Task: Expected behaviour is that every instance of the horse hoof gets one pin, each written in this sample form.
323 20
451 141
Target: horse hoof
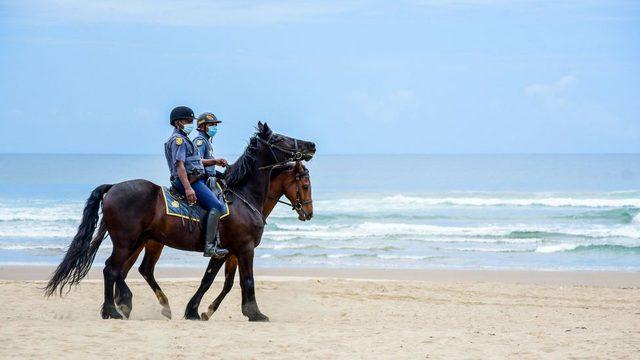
259 317
204 317
125 310
192 316
111 313
166 312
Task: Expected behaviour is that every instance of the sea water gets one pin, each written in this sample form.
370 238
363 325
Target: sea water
544 212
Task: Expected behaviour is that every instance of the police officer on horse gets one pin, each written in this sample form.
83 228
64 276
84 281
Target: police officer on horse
207 129
188 176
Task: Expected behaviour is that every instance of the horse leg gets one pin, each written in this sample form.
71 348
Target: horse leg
109 310
124 303
249 305
151 255
230 273
127 267
191 312
123 295
113 272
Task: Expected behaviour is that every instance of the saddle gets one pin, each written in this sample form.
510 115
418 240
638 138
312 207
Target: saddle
177 205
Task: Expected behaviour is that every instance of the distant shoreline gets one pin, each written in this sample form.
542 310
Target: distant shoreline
568 278
358 154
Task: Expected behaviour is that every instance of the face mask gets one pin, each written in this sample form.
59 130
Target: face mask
212 131
187 128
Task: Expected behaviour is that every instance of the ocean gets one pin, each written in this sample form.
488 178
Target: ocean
527 212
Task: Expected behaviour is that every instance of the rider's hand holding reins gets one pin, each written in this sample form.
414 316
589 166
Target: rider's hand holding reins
219 162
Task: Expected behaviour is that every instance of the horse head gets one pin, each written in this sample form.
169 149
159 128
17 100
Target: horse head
297 189
284 148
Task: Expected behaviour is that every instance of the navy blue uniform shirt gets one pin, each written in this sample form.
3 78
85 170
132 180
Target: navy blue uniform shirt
205 149
180 148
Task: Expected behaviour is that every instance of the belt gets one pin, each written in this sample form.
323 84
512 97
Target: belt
193 177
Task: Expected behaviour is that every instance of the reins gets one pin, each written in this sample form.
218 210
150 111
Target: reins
295 155
248 203
297 206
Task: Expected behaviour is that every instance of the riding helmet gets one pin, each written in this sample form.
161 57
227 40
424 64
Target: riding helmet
179 113
208 118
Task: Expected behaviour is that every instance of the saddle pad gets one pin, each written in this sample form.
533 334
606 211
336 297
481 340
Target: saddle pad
177 205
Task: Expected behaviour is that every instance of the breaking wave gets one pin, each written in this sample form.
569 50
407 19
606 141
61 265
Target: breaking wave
411 230
283 232
584 248
409 203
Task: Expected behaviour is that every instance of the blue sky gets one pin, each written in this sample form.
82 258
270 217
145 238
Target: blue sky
494 76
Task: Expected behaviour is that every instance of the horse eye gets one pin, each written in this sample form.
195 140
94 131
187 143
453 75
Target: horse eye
305 187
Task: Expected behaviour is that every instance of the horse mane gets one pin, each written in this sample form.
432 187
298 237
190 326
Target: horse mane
245 166
277 170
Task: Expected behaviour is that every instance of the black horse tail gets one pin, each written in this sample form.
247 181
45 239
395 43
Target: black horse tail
79 257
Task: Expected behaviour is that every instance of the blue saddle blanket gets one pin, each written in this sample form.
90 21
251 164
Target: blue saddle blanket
177 205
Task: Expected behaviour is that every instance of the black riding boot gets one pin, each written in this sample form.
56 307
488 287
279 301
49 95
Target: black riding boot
212 240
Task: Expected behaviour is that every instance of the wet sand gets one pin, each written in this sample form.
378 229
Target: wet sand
328 313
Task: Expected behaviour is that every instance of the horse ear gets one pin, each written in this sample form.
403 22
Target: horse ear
267 129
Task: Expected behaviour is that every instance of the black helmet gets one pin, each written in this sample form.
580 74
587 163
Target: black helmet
207 118
179 113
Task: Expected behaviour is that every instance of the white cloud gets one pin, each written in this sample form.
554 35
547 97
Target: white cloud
388 108
552 93
555 88
198 13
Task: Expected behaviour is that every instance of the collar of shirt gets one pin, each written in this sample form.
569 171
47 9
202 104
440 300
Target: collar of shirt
180 132
204 133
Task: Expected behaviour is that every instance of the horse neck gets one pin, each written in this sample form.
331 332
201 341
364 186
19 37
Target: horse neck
255 187
275 193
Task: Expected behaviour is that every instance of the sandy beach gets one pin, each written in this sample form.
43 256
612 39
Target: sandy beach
336 313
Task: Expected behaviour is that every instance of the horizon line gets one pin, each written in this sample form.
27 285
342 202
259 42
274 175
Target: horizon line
343 154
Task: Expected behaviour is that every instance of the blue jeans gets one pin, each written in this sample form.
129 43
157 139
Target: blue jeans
206 198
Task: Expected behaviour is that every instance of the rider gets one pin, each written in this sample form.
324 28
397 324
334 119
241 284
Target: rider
207 129
187 172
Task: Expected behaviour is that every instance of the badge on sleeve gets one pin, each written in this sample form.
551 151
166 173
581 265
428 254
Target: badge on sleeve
199 142
179 141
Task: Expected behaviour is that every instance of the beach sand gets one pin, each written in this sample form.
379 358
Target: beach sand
321 313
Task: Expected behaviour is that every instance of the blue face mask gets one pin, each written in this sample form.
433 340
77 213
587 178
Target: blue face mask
187 128
212 131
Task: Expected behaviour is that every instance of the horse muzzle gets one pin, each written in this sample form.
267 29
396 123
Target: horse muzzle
303 216
308 150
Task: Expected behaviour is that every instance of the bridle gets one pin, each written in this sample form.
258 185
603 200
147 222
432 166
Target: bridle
295 154
299 203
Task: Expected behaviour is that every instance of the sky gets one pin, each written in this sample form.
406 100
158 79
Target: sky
356 77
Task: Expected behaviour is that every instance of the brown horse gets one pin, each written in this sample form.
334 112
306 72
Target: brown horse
134 214
303 185
291 180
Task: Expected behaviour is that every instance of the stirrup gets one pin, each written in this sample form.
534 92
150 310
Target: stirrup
215 251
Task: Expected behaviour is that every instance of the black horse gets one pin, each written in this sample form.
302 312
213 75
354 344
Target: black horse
134 214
